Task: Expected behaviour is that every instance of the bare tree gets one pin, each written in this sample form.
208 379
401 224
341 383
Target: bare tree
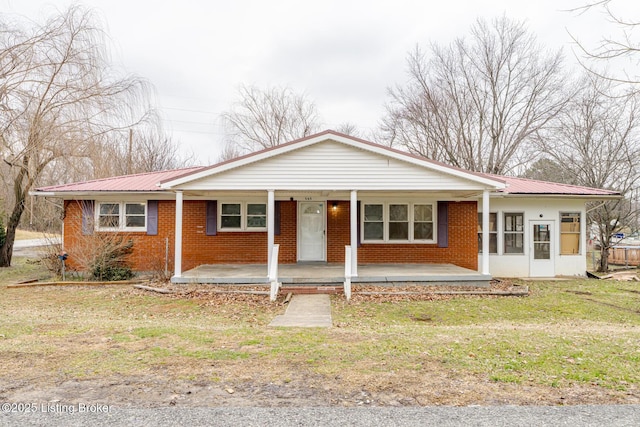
596 139
621 49
546 169
230 151
348 128
266 118
477 103
58 95
140 149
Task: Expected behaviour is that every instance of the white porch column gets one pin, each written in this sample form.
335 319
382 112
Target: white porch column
271 209
353 213
485 232
177 267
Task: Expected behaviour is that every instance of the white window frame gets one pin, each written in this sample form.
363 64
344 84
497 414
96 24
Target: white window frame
579 232
514 232
243 216
496 233
385 221
122 216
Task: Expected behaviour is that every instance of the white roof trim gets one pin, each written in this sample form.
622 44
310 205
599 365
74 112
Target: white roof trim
333 136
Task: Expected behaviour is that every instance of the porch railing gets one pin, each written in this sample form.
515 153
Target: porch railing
273 273
347 272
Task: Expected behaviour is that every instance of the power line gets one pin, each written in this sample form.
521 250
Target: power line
190 110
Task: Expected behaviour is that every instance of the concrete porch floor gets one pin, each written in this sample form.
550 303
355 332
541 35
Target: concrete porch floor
327 273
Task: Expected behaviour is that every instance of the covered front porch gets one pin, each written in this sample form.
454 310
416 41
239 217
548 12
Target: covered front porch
334 273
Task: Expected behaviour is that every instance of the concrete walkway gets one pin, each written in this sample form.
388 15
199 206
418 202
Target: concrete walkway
306 311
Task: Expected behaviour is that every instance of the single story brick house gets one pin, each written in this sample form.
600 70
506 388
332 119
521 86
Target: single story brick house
328 197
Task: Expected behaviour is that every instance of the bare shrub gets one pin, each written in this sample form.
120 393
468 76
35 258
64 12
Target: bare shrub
104 256
49 254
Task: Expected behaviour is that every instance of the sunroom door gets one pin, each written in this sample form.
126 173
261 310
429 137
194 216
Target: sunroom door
311 231
542 249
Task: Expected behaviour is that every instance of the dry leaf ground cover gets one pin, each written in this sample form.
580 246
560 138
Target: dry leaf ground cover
568 342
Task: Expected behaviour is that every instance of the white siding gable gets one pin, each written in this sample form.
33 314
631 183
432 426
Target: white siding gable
331 166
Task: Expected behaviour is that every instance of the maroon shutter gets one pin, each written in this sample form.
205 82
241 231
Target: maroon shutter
276 218
152 218
359 225
443 224
88 209
212 218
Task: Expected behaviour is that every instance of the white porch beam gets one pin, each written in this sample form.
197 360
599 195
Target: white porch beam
177 263
485 232
271 209
353 214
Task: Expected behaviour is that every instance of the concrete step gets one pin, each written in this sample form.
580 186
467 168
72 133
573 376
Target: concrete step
311 288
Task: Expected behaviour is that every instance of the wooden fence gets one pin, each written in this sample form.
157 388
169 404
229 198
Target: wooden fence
624 255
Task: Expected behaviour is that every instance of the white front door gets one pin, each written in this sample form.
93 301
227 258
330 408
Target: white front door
311 235
542 249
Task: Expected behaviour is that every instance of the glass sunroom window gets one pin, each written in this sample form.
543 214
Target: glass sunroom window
513 233
570 233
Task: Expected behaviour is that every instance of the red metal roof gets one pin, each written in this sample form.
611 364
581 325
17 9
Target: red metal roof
141 182
146 182
531 186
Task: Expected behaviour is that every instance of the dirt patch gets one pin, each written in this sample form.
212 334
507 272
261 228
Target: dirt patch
386 389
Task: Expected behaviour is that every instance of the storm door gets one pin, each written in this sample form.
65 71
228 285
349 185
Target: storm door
311 231
541 254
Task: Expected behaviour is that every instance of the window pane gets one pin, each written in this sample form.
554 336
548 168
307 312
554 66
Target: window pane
398 213
373 231
109 221
230 221
513 243
570 233
256 221
135 221
493 243
513 222
541 233
230 209
570 243
493 222
398 231
422 213
134 208
256 209
109 209
423 231
541 251
373 212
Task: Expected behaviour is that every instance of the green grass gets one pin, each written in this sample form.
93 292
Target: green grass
22 269
578 332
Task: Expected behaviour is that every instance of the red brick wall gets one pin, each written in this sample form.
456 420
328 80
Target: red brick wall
338 233
251 247
148 251
462 250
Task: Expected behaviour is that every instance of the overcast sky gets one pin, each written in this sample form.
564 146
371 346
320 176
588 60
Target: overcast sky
342 54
